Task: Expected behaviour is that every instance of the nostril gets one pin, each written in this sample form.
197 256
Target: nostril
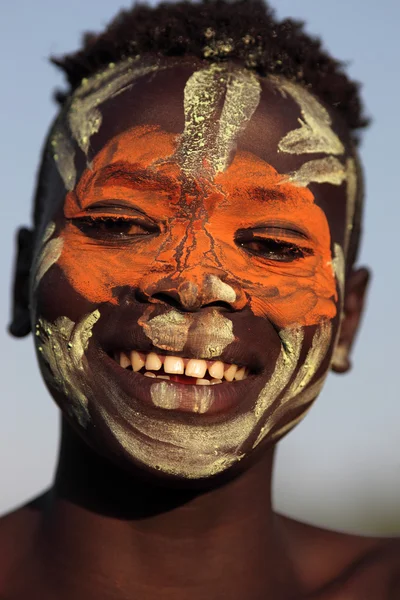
168 298
174 301
219 304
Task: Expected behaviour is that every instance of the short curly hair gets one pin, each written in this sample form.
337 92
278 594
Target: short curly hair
218 30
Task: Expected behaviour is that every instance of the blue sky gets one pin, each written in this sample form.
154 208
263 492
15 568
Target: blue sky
341 466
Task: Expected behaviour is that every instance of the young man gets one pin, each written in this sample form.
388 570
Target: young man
189 280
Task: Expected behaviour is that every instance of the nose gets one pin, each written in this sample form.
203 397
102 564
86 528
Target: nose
190 292
196 279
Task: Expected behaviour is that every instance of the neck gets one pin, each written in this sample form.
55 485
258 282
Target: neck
106 532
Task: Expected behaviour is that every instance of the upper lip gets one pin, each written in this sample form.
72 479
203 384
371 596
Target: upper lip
116 336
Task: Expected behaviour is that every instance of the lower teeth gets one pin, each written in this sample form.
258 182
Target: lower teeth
195 381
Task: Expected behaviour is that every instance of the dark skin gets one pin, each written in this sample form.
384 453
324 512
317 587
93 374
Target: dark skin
111 528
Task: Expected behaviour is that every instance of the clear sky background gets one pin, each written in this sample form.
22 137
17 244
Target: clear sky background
341 466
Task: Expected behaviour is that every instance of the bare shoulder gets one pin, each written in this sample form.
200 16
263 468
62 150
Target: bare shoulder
333 565
17 533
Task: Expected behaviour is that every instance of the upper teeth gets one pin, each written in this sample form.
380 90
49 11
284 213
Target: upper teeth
192 367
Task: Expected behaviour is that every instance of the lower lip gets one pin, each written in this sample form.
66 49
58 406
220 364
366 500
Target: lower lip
199 400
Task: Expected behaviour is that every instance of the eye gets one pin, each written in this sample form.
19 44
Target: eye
114 228
272 248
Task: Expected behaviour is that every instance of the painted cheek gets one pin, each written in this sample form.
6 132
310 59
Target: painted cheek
95 271
302 292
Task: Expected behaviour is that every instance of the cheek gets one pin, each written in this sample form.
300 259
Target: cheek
94 271
300 296
298 293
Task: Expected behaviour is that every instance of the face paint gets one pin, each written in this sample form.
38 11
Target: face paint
351 201
169 396
297 294
315 356
339 268
170 331
239 90
62 345
64 154
303 402
180 450
298 393
315 133
49 254
212 245
84 117
284 369
220 289
323 170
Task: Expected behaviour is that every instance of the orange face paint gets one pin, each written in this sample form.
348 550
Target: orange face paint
186 229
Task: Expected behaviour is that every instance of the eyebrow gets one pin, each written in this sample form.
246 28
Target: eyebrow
267 194
134 176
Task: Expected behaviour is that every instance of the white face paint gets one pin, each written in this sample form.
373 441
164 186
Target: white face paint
323 170
300 391
195 450
315 133
62 347
49 253
211 333
84 118
211 133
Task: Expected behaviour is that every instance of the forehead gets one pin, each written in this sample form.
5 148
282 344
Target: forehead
215 111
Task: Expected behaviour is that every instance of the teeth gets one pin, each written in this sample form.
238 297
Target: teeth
196 368
137 361
203 382
124 360
240 374
230 372
174 364
153 363
193 367
217 369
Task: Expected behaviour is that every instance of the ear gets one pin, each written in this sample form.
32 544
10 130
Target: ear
353 307
20 325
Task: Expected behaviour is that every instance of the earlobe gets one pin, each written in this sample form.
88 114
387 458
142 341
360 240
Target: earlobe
353 307
20 325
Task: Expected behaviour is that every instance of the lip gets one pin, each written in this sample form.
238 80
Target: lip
224 399
256 346
131 337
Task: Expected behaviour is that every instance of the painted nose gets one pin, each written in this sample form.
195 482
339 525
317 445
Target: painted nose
190 294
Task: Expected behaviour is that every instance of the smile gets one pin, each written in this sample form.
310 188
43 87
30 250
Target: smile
190 371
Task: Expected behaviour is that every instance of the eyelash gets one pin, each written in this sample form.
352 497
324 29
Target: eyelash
274 249
113 228
116 228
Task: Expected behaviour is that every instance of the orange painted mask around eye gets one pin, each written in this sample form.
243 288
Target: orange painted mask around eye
265 237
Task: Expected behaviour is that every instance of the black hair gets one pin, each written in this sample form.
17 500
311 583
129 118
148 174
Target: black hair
218 30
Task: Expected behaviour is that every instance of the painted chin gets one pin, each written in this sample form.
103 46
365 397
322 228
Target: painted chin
184 441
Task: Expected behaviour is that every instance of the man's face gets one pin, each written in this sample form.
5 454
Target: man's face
188 289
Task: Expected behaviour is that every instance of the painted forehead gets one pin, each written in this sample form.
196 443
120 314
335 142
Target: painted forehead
214 111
